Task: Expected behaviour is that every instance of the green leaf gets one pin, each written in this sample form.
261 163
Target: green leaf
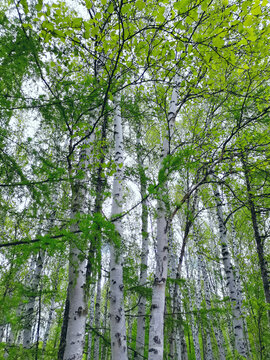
25 6
47 25
256 10
139 4
77 22
39 5
248 21
110 8
88 4
204 6
27 26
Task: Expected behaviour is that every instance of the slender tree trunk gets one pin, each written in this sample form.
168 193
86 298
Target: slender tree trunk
176 298
172 271
222 290
257 236
194 325
117 314
217 330
233 293
9 340
140 338
48 326
207 294
51 312
104 345
236 257
156 328
77 294
75 336
209 350
63 335
97 317
2 332
91 320
30 306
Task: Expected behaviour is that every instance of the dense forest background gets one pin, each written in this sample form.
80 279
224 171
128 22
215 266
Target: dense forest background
135 179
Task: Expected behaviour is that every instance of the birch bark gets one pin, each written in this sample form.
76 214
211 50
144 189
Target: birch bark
207 294
233 293
77 297
104 348
201 265
97 317
194 325
90 320
258 238
178 347
217 330
140 338
37 266
236 257
156 331
220 288
117 315
51 312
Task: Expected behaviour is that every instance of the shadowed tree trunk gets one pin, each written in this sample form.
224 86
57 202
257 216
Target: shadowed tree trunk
258 238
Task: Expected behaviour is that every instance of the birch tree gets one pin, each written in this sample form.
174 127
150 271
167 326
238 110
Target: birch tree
117 315
240 344
156 339
140 339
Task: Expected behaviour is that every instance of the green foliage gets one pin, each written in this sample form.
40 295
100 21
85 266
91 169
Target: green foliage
79 62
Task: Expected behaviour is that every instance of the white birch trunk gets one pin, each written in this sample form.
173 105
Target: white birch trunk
207 296
51 312
117 315
233 293
90 320
10 340
217 330
236 257
97 317
104 325
172 269
75 336
194 326
129 324
177 341
77 305
2 332
48 325
221 289
209 351
156 331
30 306
178 350
140 338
